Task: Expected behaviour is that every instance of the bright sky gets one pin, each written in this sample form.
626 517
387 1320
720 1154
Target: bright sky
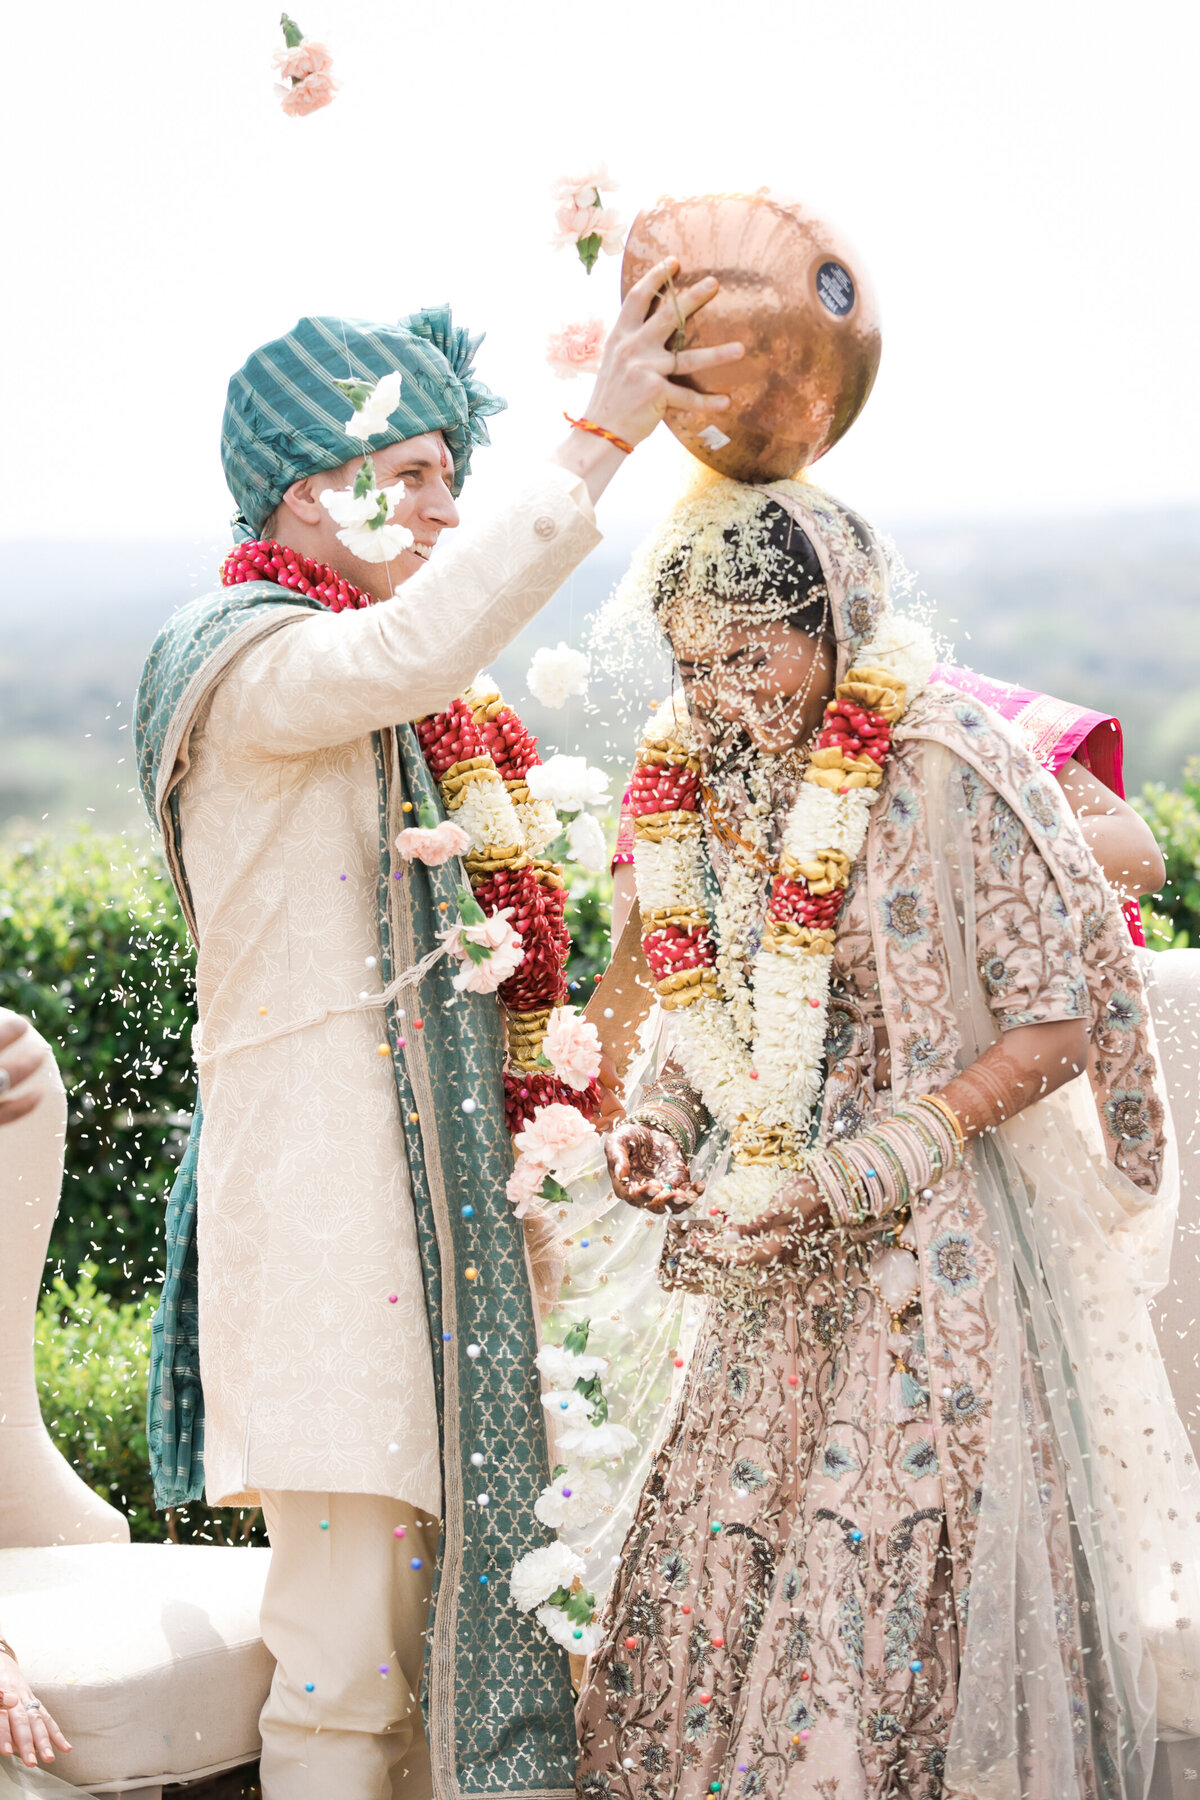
1020 180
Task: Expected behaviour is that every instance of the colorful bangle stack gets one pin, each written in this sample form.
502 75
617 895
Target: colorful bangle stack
886 1168
676 1108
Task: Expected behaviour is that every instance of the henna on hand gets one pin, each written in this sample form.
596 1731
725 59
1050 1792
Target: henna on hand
647 1169
1022 1066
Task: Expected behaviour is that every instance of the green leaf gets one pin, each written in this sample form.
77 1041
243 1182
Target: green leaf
292 34
576 1339
554 1191
557 1470
476 953
356 392
589 250
470 911
428 814
364 481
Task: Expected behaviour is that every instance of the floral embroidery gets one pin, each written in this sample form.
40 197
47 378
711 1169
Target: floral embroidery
1128 1115
838 1462
1039 804
1123 1012
921 1459
963 1405
883 1727
993 971
902 807
850 1629
952 1257
1006 835
695 1722
747 1474
675 1570
798 1717
903 914
737 1383
620 1678
921 1055
901 1629
972 789
970 717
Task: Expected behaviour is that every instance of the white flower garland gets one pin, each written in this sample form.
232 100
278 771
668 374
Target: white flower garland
753 1042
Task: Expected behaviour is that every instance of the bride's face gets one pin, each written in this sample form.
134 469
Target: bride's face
770 678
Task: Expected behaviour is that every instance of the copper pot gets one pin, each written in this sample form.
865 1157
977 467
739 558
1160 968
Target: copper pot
797 296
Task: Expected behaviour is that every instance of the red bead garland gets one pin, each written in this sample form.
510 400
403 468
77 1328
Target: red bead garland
267 560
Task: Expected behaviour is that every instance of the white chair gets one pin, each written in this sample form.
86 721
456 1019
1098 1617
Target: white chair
148 1655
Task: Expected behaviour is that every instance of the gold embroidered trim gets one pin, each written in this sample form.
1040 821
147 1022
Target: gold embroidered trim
493 857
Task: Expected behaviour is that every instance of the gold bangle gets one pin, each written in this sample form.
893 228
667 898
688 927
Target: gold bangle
951 1117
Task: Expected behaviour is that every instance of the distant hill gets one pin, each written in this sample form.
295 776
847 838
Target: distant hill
1105 611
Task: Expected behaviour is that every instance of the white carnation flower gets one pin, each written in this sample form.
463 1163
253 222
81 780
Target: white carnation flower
576 1498
539 823
567 1407
565 1367
586 844
554 675
580 1640
372 415
597 1443
568 783
351 513
904 647
540 1573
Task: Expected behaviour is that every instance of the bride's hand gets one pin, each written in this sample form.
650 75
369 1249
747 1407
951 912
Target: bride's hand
26 1728
647 1169
799 1211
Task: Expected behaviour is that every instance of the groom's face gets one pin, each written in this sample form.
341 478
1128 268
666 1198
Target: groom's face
424 466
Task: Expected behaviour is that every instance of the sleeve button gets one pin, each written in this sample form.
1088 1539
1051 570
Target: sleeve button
545 527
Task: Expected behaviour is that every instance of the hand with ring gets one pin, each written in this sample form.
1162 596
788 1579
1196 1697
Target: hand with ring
21 1055
26 1728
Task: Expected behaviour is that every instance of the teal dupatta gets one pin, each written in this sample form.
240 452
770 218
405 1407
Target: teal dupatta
497 1693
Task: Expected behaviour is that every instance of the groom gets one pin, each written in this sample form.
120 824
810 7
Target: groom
320 1348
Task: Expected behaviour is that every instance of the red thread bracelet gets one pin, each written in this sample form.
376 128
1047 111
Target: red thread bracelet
599 431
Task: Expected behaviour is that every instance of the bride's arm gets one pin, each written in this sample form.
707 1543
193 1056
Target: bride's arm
882 1169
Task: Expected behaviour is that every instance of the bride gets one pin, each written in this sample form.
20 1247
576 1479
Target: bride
924 1521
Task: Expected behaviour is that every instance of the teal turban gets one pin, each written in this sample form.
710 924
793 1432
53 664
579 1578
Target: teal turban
285 417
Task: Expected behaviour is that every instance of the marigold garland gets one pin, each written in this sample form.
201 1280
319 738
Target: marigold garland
759 1075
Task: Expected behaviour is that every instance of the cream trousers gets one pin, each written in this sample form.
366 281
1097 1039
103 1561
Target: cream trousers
344 1614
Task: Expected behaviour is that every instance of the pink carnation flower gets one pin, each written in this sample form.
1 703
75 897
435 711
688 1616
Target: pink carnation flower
309 95
576 348
552 1135
523 1184
433 845
498 936
573 1047
306 58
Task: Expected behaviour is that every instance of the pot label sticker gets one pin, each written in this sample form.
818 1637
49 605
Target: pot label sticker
835 288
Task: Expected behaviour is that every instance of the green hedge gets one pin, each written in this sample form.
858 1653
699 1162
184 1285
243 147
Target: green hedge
1172 918
92 1358
94 950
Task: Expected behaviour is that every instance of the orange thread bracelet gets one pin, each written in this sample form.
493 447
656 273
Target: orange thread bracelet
599 431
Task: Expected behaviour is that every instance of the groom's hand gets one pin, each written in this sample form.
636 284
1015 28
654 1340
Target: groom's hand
637 382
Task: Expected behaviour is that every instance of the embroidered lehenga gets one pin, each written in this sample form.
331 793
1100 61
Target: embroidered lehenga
942 1541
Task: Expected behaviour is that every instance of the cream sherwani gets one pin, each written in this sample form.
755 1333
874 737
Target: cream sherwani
314 1343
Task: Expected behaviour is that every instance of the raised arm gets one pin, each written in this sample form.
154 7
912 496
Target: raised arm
327 678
